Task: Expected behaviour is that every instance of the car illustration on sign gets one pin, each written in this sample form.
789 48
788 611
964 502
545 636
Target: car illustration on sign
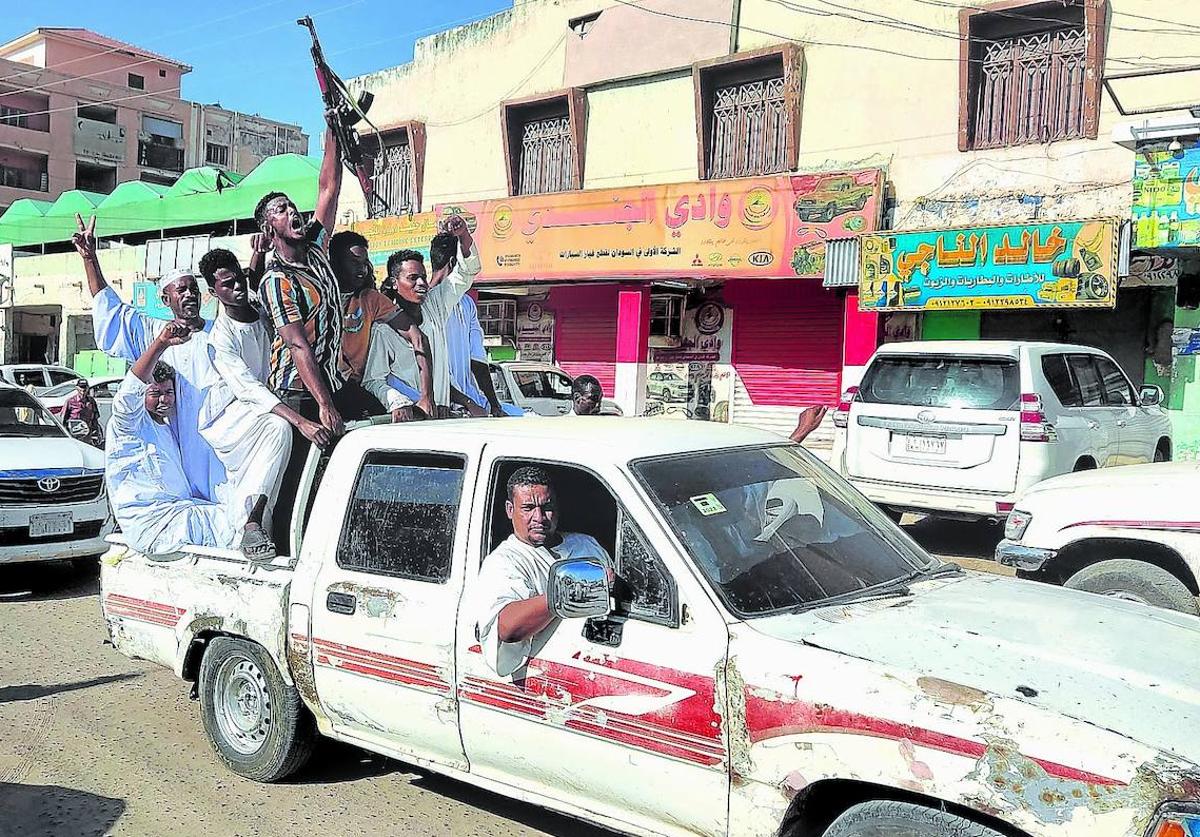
832 197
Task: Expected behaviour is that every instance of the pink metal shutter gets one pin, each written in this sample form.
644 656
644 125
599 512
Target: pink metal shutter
585 331
787 341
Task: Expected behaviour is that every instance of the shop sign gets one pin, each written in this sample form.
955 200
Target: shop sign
1166 198
396 232
694 379
1063 264
769 227
535 332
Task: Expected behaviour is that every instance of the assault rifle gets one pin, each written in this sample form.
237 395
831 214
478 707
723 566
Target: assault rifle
344 112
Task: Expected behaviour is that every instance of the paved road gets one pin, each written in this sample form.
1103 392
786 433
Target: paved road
93 743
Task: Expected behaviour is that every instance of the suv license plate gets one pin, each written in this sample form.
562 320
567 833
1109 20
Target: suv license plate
925 444
45 525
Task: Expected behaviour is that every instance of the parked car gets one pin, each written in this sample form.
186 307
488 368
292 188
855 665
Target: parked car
962 428
833 196
667 386
40 375
765 623
103 389
53 503
1132 533
539 388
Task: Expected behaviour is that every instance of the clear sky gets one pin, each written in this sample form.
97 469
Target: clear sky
250 55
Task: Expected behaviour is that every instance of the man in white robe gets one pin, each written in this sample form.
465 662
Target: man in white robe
246 424
123 331
514 618
144 469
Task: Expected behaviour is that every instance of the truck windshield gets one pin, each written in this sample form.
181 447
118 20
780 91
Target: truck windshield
776 532
23 415
942 381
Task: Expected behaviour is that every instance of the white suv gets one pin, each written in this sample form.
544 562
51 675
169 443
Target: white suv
961 428
52 499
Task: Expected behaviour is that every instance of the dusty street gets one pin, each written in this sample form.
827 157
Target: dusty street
94 743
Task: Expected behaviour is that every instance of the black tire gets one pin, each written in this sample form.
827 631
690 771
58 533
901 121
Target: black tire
884 818
281 732
894 514
831 212
1134 580
1162 453
1085 464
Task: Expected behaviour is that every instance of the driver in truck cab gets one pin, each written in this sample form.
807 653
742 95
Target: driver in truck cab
514 614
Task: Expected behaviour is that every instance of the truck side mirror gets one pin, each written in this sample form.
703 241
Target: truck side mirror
578 589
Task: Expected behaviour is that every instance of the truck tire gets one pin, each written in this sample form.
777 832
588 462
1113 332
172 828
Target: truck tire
1138 581
885 818
256 722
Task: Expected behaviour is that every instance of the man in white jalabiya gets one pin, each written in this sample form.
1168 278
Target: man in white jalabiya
123 331
514 614
246 424
145 468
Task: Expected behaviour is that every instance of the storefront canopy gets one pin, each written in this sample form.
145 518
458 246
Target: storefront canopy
200 197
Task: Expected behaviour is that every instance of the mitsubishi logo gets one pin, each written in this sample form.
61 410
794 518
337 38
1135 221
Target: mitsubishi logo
926 416
49 484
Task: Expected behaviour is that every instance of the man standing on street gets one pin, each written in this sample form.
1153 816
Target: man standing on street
81 406
123 331
470 375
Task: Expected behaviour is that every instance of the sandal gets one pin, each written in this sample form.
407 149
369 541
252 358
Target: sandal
257 545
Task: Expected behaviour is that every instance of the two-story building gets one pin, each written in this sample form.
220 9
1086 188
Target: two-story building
654 183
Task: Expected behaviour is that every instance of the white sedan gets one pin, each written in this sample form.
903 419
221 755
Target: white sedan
1132 533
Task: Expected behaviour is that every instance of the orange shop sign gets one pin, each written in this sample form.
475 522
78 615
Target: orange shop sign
769 227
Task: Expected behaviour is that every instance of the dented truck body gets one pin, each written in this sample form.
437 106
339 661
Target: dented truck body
1045 710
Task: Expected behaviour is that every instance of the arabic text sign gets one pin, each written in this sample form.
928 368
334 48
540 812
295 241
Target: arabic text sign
1062 264
397 232
766 227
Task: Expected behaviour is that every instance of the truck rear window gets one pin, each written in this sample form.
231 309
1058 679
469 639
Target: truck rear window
942 381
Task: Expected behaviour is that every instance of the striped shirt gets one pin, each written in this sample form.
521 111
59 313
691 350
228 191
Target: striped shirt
303 293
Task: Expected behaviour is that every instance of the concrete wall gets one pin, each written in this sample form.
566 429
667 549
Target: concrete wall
97 63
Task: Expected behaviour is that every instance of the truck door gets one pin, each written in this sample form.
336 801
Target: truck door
614 716
382 633
1135 427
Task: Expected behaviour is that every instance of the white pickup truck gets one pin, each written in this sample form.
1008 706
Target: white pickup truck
772 656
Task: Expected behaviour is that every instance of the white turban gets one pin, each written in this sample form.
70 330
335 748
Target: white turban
170 276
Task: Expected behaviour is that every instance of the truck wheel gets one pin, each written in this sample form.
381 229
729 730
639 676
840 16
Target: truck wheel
1136 581
255 721
883 818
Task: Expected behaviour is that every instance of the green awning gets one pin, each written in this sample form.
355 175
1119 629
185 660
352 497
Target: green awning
201 197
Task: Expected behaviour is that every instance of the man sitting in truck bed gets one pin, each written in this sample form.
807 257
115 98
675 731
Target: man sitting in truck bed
515 617
144 468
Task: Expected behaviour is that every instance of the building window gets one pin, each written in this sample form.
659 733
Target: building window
748 110
160 144
1030 74
137 82
91 177
498 317
395 178
543 143
17 117
162 73
666 319
216 154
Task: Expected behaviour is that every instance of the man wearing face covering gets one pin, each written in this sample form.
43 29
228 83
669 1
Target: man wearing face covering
123 331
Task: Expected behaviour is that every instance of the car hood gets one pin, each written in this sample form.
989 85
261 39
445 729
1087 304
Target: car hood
1121 666
1126 479
48 454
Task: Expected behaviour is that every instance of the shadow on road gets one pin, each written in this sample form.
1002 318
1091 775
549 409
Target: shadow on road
33 691
335 762
54 811
49 580
956 538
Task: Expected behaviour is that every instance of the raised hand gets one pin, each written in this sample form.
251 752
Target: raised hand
176 333
84 238
259 243
809 420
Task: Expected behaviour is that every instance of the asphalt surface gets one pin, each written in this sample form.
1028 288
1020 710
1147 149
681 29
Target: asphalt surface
93 743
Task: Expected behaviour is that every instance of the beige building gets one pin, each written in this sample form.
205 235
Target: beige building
79 110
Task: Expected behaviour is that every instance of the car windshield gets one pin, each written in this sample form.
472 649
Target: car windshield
774 531
942 381
59 391
21 415
543 383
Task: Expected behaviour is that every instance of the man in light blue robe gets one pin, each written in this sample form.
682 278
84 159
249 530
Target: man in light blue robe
144 469
123 331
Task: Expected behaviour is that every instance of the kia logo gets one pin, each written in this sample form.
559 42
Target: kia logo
926 416
49 484
761 258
